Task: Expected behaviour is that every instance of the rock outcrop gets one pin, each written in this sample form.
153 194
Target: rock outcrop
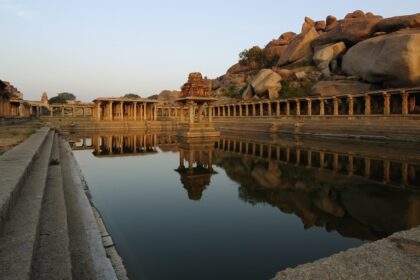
324 55
392 60
299 47
331 88
265 83
396 23
350 31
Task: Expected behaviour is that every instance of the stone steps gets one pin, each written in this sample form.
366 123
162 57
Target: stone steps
53 255
20 232
48 228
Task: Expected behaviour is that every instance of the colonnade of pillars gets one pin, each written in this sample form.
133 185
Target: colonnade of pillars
383 170
123 110
86 111
374 103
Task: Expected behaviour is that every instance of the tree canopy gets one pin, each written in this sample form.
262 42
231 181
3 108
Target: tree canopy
132 95
62 98
154 96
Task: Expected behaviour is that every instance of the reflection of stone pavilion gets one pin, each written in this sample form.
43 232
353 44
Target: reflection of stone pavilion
196 175
196 95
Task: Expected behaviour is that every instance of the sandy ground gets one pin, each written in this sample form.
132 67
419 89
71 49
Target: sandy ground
12 135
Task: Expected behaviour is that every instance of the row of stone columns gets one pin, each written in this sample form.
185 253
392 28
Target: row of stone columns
72 108
123 110
266 108
251 149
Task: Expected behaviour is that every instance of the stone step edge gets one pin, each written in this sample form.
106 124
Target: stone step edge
15 166
101 264
52 256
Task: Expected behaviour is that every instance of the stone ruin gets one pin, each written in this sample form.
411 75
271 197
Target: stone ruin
196 86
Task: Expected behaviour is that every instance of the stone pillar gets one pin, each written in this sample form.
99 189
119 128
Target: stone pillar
246 110
350 167
240 110
404 96
269 108
51 112
121 110
228 110
297 107
111 116
155 112
191 112
367 168
145 111
351 105
335 161
321 107
367 104
335 100
309 158
387 103
404 174
321 159
261 109
135 110
234 110
287 107
309 106
210 115
254 112
278 108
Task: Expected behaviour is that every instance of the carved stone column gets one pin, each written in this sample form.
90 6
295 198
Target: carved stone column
288 108
404 96
297 107
387 103
351 105
309 105
367 105
321 107
335 101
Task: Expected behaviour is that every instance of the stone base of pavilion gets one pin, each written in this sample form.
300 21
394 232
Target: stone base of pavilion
197 130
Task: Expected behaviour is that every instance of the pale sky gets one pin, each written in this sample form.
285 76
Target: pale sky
98 48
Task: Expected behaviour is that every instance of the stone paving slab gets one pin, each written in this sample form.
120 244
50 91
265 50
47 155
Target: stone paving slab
395 257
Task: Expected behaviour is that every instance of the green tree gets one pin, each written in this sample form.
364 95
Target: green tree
132 95
62 97
154 96
254 55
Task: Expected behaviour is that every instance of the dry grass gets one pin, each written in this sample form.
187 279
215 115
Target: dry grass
12 135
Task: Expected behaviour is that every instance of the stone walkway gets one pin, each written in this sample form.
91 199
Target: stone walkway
395 257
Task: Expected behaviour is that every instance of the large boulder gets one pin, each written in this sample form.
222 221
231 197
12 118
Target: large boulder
325 54
341 87
393 59
307 24
238 68
266 83
350 31
396 23
299 48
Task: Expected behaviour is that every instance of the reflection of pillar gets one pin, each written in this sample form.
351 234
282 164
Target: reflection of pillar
321 159
351 105
350 165
309 158
297 156
51 111
210 157
387 103
367 167
386 171
404 174
73 110
367 104
287 154
190 162
404 96
335 163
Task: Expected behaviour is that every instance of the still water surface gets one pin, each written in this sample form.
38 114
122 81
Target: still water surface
238 213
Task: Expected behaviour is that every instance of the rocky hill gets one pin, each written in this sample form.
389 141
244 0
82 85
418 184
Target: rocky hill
363 51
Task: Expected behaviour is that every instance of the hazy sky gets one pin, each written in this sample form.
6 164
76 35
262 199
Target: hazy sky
98 48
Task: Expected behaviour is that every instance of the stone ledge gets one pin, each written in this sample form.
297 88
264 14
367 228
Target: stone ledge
15 165
395 257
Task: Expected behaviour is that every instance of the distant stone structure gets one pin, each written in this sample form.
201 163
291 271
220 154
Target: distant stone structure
11 101
196 94
196 86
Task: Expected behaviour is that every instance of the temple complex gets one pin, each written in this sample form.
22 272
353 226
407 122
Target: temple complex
11 101
196 95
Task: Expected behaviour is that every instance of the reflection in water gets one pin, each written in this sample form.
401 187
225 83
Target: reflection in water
199 157
361 190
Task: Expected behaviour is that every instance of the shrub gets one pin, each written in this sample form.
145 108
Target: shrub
234 91
254 55
287 91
